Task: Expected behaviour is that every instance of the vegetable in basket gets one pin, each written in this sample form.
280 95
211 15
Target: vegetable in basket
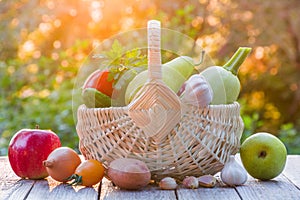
97 89
223 80
196 91
174 74
107 87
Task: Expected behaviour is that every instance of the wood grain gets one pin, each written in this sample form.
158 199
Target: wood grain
50 189
19 190
292 169
110 192
285 186
273 189
208 193
11 186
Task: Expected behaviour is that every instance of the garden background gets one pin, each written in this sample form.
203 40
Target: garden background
43 43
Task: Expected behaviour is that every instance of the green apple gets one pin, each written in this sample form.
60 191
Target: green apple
263 155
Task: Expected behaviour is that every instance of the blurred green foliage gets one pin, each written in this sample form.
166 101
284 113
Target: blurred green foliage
44 43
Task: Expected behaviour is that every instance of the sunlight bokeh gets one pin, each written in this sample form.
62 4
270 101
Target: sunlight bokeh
44 43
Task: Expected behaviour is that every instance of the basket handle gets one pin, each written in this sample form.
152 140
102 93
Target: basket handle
156 109
154 51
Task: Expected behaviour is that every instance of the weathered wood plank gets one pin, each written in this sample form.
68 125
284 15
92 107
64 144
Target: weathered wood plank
7 176
208 193
50 189
272 189
11 186
292 169
286 186
276 188
109 192
19 190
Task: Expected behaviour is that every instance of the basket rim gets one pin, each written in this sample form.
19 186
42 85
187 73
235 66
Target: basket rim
211 106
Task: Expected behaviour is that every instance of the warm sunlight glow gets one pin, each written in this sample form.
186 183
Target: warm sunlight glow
64 63
259 53
256 99
32 68
55 56
28 46
271 112
45 27
44 93
26 92
56 44
95 11
11 70
46 18
15 22
36 54
127 23
294 87
197 21
50 5
57 23
73 12
213 21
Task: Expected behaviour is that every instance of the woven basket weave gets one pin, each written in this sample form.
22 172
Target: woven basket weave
199 142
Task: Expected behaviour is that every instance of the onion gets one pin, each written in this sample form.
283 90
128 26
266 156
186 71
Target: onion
62 163
129 173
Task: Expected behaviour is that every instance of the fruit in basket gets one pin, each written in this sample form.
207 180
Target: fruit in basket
263 155
174 74
61 163
196 91
92 98
223 80
100 81
183 65
88 173
129 173
97 89
118 96
28 149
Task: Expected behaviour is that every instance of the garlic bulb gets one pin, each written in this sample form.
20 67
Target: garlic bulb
233 173
168 183
197 91
190 182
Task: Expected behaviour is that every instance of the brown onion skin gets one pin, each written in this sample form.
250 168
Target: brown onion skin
62 163
129 174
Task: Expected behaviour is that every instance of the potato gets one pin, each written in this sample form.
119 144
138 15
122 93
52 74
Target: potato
129 173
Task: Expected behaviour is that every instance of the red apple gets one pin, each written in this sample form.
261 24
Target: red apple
28 149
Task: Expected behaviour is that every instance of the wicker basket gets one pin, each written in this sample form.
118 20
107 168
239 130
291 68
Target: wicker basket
180 141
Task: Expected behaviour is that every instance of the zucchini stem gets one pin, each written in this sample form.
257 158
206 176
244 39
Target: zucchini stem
237 59
201 59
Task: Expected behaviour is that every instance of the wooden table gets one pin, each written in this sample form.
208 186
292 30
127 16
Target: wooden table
286 186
